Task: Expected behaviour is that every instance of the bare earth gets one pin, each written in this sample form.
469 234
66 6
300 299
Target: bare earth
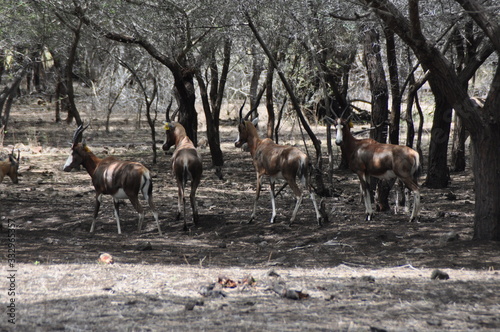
349 275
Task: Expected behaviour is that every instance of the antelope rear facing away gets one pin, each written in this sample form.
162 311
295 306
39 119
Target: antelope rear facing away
186 165
10 167
276 161
367 157
110 176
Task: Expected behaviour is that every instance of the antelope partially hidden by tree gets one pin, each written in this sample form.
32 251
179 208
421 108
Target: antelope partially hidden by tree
276 161
10 167
186 165
110 176
367 157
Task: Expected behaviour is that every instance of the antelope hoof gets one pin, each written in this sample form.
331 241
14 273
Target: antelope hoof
178 216
247 222
415 219
369 217
273 220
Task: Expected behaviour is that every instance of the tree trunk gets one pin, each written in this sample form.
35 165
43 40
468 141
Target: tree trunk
212 132
72 110
269 101
184 85
438 174
458 147
212 108
7 97
380 102
487 190
254 81
395 115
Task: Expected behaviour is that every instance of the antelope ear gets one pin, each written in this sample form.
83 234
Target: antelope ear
351 125
255 122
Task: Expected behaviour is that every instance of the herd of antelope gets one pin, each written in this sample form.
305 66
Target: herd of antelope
126 179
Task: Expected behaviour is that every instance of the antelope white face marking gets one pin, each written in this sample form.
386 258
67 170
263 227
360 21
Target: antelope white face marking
69 161
339 138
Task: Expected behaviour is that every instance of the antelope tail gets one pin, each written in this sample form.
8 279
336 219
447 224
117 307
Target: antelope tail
147 186
303 171
186 175
417 167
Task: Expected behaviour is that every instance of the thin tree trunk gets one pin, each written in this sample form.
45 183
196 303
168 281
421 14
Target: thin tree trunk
458 146
73 111
269 101
395 115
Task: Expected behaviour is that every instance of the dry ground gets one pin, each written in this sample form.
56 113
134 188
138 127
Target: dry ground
357 275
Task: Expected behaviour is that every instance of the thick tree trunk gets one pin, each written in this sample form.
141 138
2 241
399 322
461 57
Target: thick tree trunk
438 174
486 168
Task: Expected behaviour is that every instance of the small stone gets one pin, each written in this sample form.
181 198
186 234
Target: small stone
438 274
144 246
369 279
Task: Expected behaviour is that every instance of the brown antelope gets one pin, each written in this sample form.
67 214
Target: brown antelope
10 167
276 161
110 176
186 165
367 157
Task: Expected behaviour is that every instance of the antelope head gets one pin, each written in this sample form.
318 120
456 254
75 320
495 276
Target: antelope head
75 159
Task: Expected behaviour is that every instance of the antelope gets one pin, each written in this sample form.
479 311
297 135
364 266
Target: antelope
110 176
186 165
367 157
10 167
275 161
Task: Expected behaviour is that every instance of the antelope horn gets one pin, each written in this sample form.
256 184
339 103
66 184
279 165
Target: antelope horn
167 113
341 115
78 133
241 110
249 113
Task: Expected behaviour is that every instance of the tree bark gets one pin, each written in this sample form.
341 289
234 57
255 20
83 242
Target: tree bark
438 173
270 101
458 147
72 110
486 187
395 114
